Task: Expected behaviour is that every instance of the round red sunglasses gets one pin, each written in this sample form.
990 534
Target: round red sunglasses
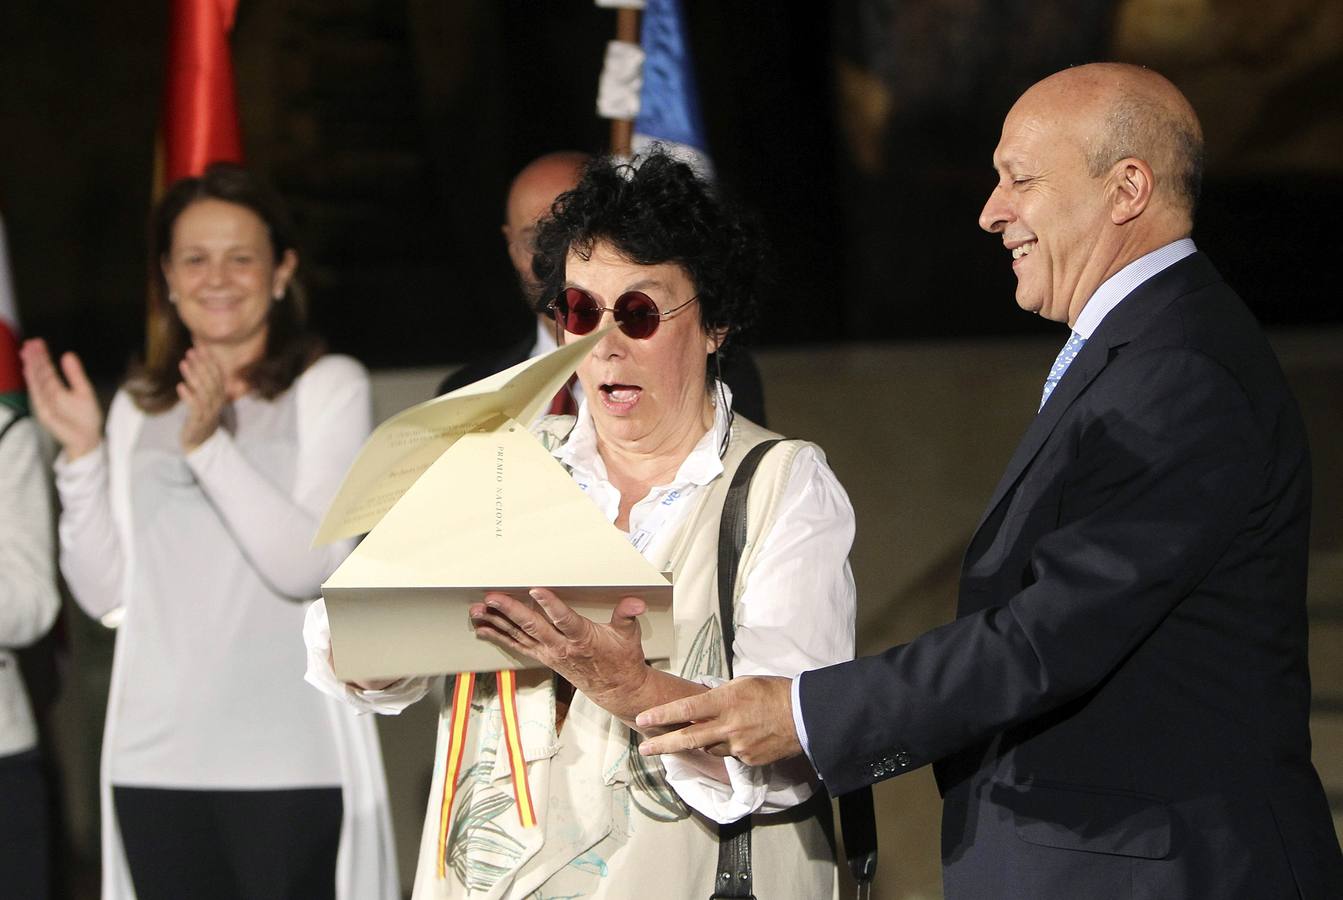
578 312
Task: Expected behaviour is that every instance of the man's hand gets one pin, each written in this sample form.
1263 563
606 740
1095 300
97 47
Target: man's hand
750 718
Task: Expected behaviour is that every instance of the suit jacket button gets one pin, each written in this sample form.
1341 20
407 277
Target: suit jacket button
902 759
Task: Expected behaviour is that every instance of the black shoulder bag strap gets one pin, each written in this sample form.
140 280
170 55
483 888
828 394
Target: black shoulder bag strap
733 880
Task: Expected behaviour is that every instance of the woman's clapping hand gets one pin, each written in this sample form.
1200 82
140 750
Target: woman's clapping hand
202 390
67 407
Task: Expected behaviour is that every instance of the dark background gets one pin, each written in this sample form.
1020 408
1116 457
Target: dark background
860 131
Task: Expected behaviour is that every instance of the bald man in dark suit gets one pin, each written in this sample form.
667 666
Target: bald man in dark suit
1120 709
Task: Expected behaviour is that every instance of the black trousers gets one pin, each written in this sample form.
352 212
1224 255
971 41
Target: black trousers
24 847
230 845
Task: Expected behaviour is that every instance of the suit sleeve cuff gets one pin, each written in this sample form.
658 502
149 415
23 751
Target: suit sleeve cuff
798 724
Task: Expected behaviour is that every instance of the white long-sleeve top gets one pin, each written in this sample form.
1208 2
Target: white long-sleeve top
214 696
28 598
796 611
208 556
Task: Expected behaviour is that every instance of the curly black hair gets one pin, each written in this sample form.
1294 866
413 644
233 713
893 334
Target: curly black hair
657 210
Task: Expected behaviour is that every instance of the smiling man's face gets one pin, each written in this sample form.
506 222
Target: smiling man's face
1052 215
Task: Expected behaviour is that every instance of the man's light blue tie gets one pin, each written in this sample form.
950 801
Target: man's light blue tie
1061 363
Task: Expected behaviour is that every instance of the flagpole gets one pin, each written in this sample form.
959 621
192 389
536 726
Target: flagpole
622 130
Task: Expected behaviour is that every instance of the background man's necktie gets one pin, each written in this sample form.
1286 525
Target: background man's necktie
563 403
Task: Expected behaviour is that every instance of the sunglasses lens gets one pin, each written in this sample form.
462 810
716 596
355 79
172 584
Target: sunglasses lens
637 315
578 311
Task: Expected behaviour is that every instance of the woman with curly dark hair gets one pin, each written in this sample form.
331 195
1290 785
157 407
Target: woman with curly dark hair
187 520
650 249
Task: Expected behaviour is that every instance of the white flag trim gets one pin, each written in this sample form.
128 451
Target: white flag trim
622 80
9 306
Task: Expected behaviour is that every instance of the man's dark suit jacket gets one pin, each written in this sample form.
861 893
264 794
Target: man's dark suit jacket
1120 708
739 371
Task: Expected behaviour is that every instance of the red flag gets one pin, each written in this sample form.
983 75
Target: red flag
200 107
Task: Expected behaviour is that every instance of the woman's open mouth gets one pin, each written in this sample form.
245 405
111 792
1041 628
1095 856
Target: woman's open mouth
620 398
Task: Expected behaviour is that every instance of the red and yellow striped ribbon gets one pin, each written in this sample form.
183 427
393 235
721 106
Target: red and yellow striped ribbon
461 711
508 703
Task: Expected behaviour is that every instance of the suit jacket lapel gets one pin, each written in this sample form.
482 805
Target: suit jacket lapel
1123 324
1088 364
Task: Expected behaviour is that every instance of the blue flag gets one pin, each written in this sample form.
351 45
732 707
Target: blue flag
669 102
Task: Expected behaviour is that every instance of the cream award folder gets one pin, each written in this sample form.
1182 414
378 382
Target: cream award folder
493 511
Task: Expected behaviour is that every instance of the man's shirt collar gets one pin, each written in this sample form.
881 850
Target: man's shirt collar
1122 283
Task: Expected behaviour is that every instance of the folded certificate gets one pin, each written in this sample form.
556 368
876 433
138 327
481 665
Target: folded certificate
402 448
492 510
